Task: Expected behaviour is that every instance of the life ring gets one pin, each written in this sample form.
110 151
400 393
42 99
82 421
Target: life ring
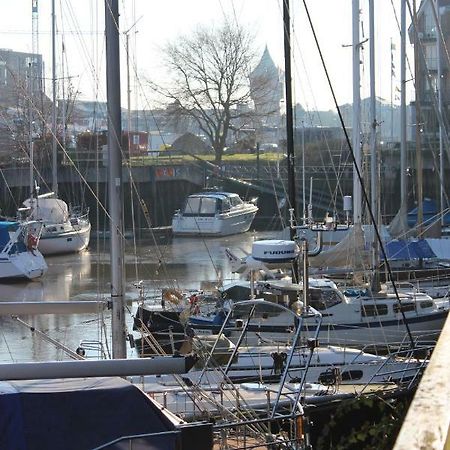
32 242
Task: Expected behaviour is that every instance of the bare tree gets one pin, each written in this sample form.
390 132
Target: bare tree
209 80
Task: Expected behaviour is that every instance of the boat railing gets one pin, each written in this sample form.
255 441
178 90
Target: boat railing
284 431
223 397
409 373
138 440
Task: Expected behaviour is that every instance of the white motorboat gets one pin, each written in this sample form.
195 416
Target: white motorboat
61 230
19 256
213 214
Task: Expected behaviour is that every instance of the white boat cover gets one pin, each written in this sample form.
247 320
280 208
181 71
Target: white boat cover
50 210
440 247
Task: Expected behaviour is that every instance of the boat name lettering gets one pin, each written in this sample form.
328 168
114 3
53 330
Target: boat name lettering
278 252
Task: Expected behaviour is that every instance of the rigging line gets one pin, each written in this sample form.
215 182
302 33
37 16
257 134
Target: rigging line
399 30
361 181
84 48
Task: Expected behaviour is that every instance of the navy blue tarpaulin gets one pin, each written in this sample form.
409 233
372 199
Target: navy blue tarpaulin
430 212
404 250
79 414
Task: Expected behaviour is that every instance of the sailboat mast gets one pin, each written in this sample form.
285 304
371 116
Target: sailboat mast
54 146
115 191
31 72
374 200
289 114
403 180
418 123
440 108
357 197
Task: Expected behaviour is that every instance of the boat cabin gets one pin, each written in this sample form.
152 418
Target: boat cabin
209 204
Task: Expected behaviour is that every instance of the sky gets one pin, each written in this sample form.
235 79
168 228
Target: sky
149 24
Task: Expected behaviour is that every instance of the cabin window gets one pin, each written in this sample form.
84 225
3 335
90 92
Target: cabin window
374 310
321 299
192 206
236 201
225 205
208 206
404 307
348 375
426 304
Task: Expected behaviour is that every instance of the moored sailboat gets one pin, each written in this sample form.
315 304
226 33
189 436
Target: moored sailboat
19 255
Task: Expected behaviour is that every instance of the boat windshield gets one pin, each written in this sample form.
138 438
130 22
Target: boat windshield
322 299
235 200
200 206
192 206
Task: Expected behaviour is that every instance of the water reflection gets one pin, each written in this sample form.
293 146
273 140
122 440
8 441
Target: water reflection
184 262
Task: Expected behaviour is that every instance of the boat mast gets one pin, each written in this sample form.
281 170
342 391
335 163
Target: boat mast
357 198
289 114
440 108
115 191
54 146
403 179
373 150
417 85
31 72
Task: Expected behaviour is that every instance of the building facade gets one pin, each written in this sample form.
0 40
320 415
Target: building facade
432 65
21 74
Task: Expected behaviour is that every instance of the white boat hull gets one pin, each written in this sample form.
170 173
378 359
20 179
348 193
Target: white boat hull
219 225
72 241
25 265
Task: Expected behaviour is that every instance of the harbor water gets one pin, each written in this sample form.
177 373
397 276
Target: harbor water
183 263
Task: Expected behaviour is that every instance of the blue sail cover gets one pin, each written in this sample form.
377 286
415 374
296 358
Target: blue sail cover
406 250
430 214
5 228
80 414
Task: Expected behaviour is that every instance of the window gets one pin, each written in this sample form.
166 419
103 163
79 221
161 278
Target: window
352 375
404 307
321 299
235 200
192 206
426 304
207 206
225 205
374 310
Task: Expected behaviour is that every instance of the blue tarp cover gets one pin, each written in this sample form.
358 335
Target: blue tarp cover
5 227
78 414
404 250
430 214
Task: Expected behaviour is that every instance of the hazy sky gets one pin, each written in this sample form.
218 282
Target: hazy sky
80 25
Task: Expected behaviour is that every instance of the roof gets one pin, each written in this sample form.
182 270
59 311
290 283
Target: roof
265 65
215 194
